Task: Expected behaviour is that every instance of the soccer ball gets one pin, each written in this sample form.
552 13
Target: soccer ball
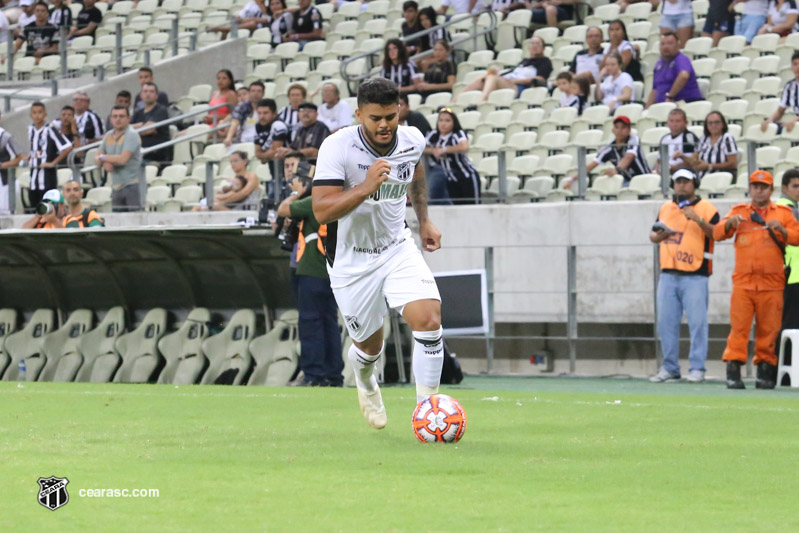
439 418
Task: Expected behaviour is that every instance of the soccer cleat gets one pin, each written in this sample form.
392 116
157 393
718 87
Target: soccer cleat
696 376
766 376
734 375
372 407
664 376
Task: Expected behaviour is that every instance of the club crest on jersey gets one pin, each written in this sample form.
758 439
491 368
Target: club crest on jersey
404 171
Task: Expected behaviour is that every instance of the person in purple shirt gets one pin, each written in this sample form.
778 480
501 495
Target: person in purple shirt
674 78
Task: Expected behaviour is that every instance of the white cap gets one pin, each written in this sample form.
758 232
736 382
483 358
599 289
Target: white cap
53 196
26 2
683 173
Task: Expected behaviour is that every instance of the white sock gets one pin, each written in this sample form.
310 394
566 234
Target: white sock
428 358
364 365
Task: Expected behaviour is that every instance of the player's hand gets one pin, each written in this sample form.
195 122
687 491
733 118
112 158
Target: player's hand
376 175
431 236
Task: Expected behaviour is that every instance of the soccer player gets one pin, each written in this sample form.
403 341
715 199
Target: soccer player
363 176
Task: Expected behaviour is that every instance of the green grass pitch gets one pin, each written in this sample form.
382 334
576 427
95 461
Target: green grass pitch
538 455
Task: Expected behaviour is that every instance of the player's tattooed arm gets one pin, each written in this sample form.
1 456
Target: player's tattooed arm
418 192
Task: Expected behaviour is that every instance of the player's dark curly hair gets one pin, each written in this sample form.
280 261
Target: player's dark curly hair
378 91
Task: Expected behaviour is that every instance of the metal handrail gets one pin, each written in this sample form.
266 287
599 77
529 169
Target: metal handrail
454 20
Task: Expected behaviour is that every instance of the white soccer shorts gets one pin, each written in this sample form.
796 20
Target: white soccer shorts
402 278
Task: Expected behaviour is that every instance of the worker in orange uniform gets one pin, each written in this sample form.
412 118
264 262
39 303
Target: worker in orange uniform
761 229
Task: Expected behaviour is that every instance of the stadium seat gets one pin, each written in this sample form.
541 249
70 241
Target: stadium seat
730 46
767 157
641 185
553 143
604 186
185 359
186 196
96 351
754 134
561 118
715 184
761 88
511 183
529 98
518 144
762 45
8 325
157 196
277 353
524 165
557 165
526 120
535 188
229 351
698 47
138 349
27 344
62 343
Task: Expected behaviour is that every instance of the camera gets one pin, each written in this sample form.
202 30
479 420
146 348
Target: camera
660 226
45 208
289 235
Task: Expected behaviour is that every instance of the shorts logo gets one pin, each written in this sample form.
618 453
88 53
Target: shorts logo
53 492
404 171
352 323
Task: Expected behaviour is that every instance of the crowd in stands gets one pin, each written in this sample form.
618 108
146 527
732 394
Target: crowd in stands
613 70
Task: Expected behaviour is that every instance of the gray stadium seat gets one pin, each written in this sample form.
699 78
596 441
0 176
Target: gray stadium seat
139 349
62 343
8 325
277 353
229 351
97 349
185 360
27 343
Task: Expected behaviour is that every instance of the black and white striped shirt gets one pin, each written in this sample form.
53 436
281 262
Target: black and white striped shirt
457 165
291 118
790 96
90 126
439 34
614 154
719 152
573 100
45 145
61 17
401 75
686 142
8 151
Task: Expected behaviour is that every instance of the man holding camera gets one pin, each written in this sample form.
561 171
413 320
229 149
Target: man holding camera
320 338
684 231
49 212
761 229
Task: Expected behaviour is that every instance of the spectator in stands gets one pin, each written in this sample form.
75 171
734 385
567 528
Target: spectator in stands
334 113
428 20
550 12
678 17
586 63
10 156
531 72
145 75
252 16
448 144
571 92
120 155
41 36
717 151
461 7
280 20
624 3
290 115
681 141
675 79
398 68
48 148
245 116
307 25
625 153
242 191
68 126
616 87
78 215
123 98
790 98
225 94
4 31
55 215
440 75
311 133
782 18
408 117
685 266
411 25
152 113
90 125
720 21
620 43
243 94
758 280
320 338
60 15
271 134
88 19
26 17
755 14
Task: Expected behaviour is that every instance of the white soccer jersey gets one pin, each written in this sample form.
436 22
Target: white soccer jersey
356 241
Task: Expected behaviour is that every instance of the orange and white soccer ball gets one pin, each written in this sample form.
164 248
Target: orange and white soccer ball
439 418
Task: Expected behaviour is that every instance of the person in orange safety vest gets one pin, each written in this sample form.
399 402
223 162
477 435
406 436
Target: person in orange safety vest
762 229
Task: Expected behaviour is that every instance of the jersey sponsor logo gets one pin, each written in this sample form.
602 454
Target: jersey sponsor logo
404 171
363 167
376 251
389 191
411 149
